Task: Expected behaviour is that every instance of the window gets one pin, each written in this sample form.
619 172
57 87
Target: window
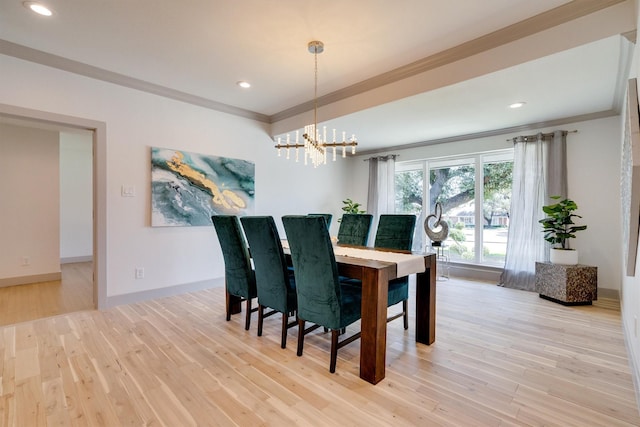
452 184
475 194
409 189
496 201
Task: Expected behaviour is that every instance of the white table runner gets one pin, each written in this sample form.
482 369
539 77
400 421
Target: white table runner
406 263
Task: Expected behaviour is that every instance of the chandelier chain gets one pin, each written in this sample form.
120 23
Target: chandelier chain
315 89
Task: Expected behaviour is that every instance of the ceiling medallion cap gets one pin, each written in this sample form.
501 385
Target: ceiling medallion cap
316 46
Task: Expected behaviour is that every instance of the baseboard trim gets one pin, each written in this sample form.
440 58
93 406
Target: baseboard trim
112 301
35 278
475 272
72 259
633 365
608 297
607 293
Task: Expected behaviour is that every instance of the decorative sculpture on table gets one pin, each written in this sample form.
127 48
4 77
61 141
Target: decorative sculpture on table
439 229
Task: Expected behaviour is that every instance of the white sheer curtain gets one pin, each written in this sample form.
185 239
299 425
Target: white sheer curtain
381 197
539 171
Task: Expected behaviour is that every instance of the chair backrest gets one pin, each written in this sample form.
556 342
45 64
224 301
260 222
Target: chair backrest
395 231
239 276
327 217
272 275
316 272
354 229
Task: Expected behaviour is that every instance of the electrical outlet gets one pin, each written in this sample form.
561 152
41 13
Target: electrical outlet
139 273
26 261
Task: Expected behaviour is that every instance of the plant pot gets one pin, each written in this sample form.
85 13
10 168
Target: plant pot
563 256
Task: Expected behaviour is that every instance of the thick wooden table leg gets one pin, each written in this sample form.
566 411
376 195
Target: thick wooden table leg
373 345
426 302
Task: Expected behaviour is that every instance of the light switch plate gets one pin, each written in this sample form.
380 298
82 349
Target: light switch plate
128 191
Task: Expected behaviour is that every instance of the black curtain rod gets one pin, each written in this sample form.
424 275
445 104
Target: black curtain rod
544 135
393 156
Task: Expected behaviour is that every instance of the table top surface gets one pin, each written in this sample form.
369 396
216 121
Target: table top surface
358 257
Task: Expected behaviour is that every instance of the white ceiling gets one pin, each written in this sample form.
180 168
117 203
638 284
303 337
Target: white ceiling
201 48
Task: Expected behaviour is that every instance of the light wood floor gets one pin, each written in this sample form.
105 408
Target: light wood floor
501 358
37 300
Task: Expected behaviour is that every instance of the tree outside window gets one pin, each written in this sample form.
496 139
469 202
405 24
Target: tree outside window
468 195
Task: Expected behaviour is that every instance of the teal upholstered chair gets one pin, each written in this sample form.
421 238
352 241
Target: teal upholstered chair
239 276
396 232
354 229
275 283
327 217
322 300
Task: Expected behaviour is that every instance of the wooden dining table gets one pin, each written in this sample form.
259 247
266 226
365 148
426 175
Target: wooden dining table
375 276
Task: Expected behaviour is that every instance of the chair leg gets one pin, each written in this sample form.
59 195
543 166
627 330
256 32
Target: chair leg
334 349
405 311
283 339
260 319
300 336
248 320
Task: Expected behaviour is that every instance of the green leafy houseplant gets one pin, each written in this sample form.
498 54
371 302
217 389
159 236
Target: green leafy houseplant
559 226
352 207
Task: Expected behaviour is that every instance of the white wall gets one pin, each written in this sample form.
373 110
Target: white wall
76 196
593 164
630 295
29 206
135 121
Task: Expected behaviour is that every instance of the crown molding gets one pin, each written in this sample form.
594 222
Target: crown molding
61 63
628 42
543 21
504 131
630 35
551 18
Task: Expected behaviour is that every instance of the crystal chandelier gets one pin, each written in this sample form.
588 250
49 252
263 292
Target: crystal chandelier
314 142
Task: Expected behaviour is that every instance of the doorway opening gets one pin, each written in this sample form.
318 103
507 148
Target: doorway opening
78 269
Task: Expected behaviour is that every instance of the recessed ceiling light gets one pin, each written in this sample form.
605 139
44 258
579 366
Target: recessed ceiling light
38 8
243 84
517 104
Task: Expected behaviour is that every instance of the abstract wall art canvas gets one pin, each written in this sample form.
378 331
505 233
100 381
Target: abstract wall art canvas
188 188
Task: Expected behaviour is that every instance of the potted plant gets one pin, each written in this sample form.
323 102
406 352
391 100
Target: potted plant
352 207
559 228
